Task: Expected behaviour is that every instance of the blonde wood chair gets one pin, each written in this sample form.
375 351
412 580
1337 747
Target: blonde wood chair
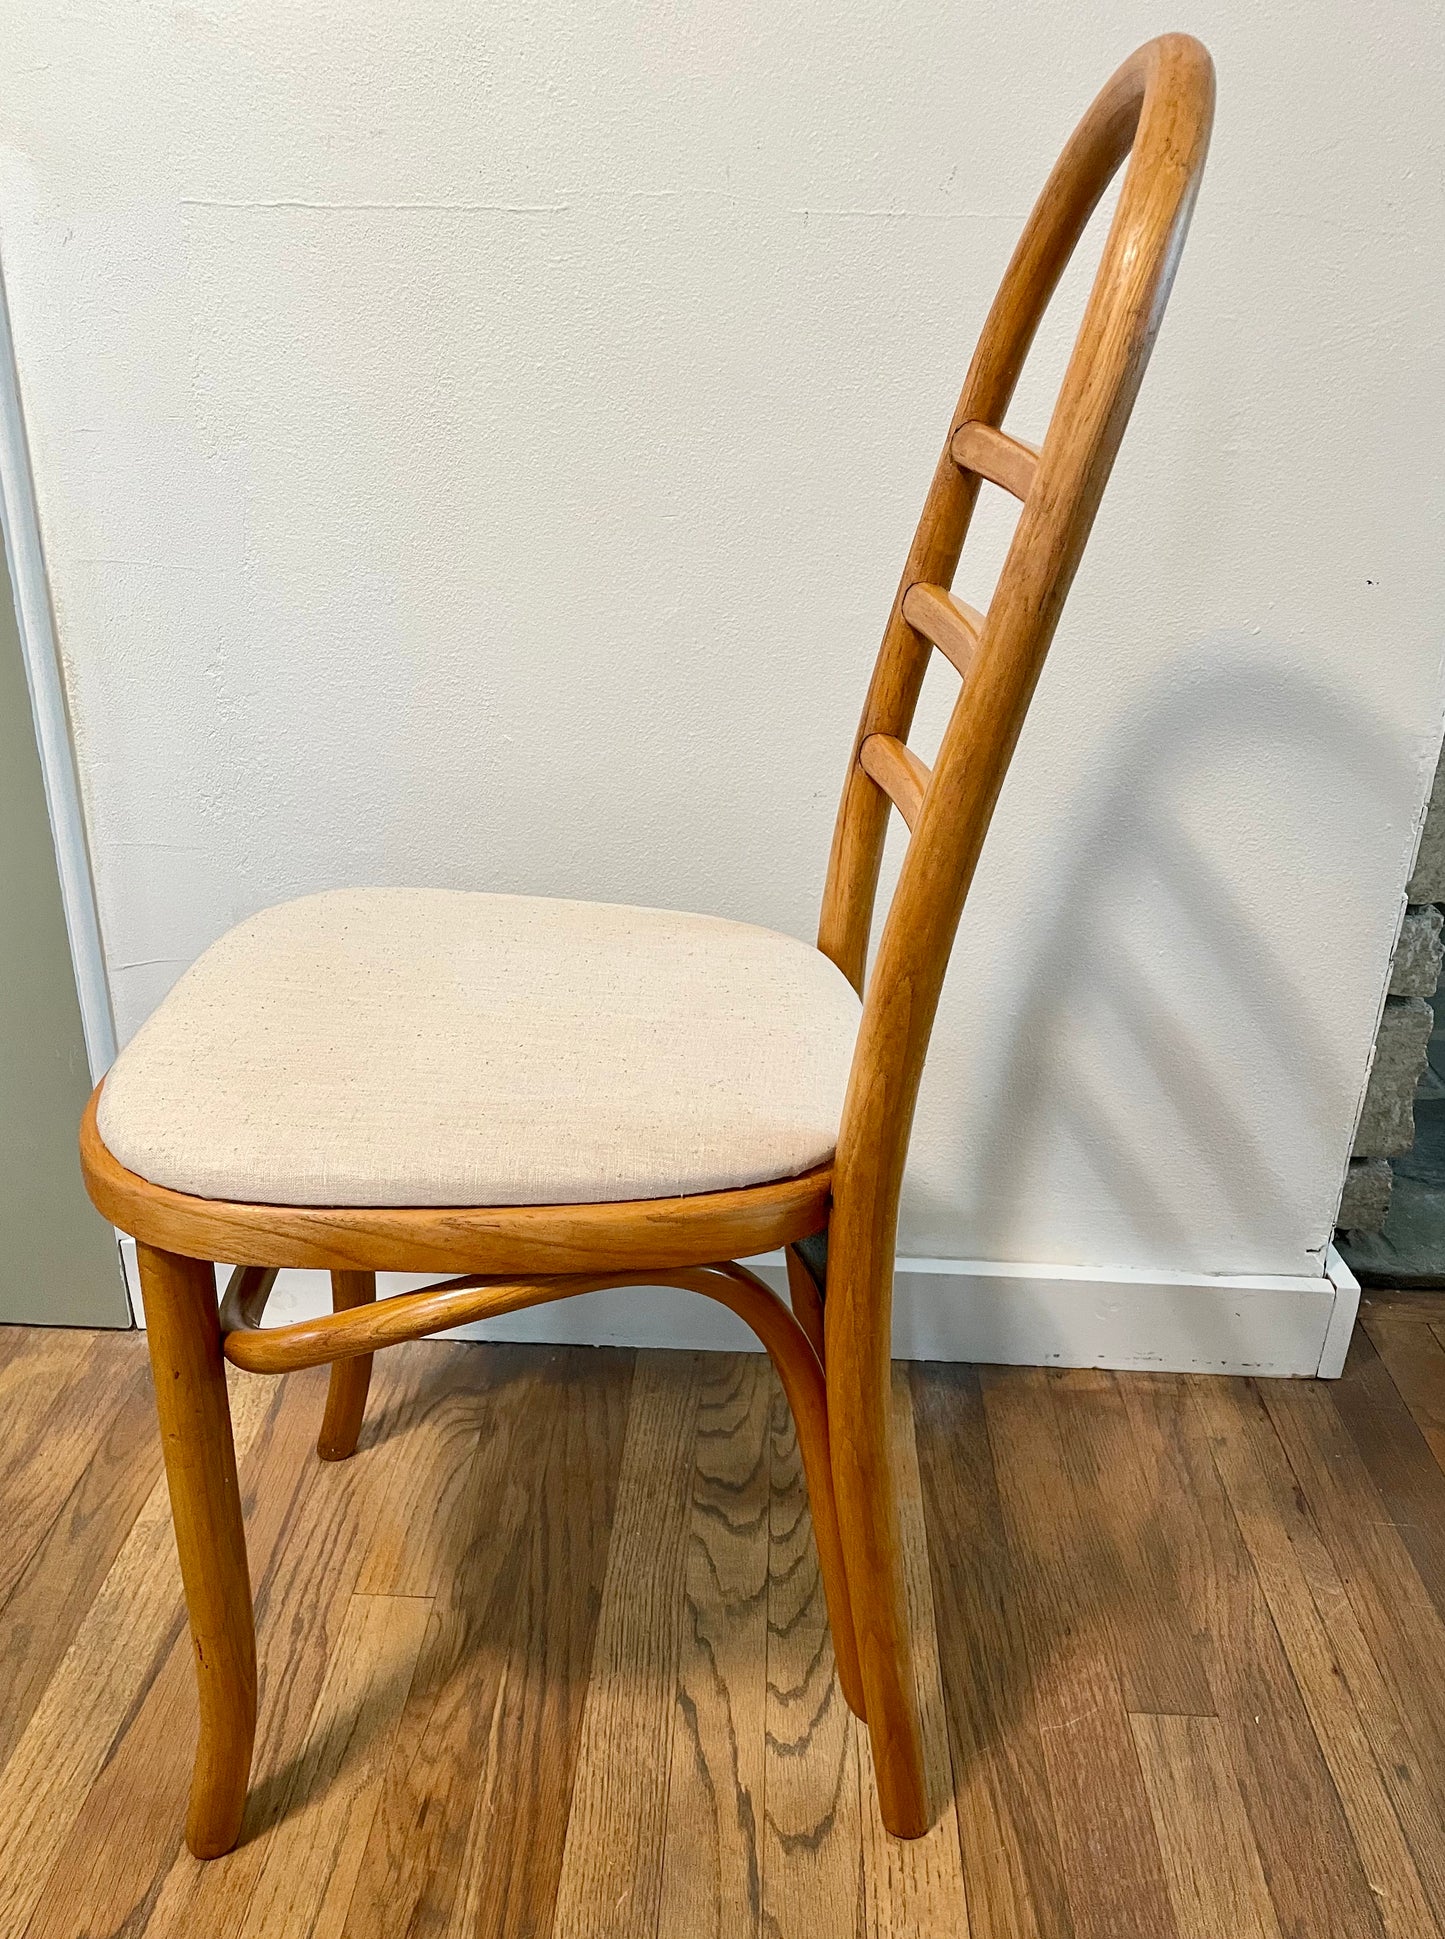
247 1123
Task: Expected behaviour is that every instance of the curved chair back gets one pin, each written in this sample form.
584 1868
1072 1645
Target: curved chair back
1157 110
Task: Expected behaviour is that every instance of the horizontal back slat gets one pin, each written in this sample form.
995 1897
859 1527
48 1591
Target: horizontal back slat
993 454
946 622
898 772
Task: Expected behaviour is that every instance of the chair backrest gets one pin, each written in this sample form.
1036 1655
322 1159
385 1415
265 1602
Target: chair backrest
1156 109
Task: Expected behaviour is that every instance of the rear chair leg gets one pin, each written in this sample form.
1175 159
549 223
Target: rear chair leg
184 1338
860 1422
346 1396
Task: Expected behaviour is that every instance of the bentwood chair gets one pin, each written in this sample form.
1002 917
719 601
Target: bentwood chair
540 1098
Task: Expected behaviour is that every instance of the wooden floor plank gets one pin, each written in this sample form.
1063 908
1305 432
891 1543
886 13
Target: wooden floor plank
435 1427
1391 1450
14 1340
612 1860
1384 1597
312 1525
914 1888
124 1637
413 1870
124 1847
1107 1842
812 1831
513 1863
712 1843
38 1365
1421 1301
1314 1873
1122 1547
303 1590
61 1579
1365 1740
1413 1357
60 1438
1215 1877
313 1855
1375 1494
1007 1828
535 1658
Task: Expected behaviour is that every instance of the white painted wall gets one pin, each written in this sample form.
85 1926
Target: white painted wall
477 446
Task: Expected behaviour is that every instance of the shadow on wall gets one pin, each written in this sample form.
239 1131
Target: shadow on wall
1164 1064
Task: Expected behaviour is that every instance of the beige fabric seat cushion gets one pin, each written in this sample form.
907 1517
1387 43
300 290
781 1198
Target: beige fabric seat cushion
426 1047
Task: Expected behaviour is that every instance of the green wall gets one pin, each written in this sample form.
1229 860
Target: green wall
58 1259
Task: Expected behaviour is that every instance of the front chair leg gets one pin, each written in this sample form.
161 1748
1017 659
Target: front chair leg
184 1338
346 1396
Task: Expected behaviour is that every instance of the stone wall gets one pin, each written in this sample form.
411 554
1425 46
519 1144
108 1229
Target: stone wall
1387 1116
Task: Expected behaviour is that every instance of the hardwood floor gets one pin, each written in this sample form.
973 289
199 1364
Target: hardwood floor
550 1656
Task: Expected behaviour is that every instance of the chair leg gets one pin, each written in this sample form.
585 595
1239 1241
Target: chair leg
807 1301
346 1395
860 1420
184 1338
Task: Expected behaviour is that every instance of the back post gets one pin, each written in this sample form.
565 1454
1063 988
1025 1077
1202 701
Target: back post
1157 109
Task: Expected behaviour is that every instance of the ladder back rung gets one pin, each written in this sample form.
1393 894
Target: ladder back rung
994 455
898 772
945 622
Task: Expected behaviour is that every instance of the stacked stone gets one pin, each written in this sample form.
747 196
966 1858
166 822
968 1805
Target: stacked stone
1387 1117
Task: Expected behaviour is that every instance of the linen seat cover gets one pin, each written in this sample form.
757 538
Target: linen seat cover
431 1047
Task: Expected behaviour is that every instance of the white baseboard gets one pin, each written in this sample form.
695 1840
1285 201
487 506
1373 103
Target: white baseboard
964 1309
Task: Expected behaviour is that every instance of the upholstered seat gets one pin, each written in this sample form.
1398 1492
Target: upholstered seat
428 1047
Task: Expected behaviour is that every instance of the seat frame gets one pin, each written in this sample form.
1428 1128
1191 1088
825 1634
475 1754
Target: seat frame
831 1345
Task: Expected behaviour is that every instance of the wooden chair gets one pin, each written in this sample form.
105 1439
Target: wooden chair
832 1349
